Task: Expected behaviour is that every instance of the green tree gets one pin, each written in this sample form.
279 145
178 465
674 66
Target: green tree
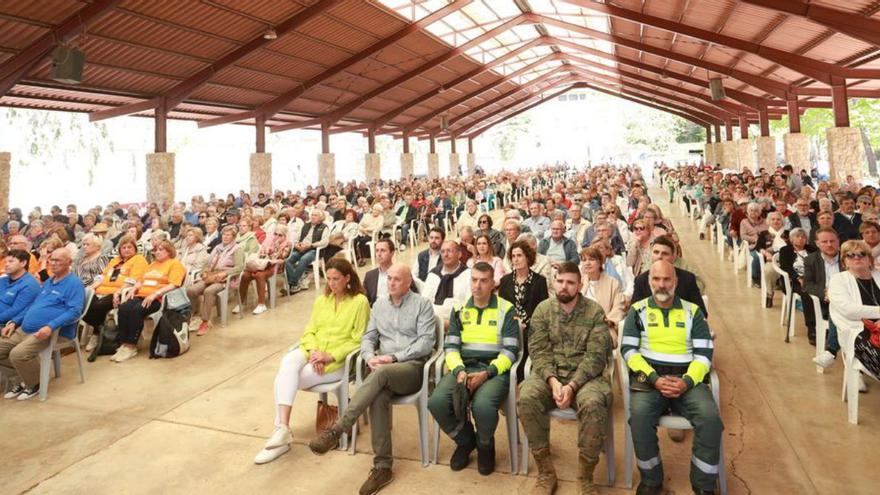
687 132
507 136
653 129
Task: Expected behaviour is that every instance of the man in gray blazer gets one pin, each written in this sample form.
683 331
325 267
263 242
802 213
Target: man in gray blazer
818 269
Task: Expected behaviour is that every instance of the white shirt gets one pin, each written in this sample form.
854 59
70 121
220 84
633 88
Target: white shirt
831 268
382 284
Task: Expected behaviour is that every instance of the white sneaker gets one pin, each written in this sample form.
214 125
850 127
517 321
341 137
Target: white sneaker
236 309
124 353
16 390
863 387
194 323
277 445
260 309
402 247
825 360
93 342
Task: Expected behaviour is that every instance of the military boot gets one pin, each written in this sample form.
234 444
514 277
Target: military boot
546 473
585 476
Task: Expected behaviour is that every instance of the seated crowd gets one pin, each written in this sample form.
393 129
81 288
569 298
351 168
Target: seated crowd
580 264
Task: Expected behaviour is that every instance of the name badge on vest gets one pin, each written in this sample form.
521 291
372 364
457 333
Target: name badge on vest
679 324
493 323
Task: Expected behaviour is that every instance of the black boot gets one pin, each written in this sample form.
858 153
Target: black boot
486 459
644 489
769 302
698 491
811 335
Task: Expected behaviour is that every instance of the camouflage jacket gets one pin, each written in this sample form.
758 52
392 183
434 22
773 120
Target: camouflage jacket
572 347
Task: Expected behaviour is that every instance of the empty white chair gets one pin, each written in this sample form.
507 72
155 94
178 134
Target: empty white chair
418 399
821 330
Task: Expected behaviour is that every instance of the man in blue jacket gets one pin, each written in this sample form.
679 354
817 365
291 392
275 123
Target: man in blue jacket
18 288
57 308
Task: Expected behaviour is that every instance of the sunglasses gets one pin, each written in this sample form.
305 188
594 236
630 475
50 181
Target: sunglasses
639 229
856 255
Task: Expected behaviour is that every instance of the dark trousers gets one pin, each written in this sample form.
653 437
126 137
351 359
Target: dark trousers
131 319
98 309
484 408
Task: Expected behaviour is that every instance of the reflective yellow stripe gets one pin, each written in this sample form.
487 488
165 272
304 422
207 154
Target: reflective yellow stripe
453 360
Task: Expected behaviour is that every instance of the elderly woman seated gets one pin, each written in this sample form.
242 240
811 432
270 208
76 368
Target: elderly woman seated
338 320
90 263
192 252
602 288
370 224
123 271
854 304
273 252
226 262
162 276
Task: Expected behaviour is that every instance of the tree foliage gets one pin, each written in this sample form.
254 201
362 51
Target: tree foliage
508 135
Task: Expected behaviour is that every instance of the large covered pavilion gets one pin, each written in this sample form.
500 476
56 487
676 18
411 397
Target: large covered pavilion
443 69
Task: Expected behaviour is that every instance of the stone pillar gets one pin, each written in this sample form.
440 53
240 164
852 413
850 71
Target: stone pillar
767 153
433 165
744 157
406 165
261 173
846 153
797 151
454 163
728 155
709 154
471 164
5 173
372 169
326 169
160 178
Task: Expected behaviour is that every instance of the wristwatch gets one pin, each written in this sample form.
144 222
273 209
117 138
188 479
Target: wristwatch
393 358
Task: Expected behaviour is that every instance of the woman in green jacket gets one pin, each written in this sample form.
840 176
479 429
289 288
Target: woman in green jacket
339 318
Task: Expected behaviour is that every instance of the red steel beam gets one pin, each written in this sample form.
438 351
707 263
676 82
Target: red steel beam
338 114
14 69
818 70
183 89
383 119
856 26
458 101
275 105
794 116
767 85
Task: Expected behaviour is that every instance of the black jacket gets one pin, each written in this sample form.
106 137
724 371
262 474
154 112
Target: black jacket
686 288
535 293
787 257
847 229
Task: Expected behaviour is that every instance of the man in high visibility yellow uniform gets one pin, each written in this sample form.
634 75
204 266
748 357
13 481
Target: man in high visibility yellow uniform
667 346
481 345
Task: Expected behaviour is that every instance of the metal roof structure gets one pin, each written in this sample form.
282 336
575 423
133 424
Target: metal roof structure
435 68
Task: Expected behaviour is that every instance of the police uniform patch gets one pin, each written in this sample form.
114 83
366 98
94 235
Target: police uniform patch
493 323
652 317
465 316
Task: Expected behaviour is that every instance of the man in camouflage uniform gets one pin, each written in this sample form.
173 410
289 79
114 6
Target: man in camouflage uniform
569 344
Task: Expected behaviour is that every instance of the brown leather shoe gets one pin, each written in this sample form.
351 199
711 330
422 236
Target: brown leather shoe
379 477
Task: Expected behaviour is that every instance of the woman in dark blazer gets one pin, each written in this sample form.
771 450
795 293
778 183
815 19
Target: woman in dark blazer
524 288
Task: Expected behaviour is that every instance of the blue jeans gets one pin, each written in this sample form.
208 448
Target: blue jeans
297 264
756 266
831 343
404 234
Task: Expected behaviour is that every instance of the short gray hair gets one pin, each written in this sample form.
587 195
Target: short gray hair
797 232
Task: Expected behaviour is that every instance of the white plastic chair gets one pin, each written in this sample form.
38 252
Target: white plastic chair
821 331
317 265
789 300
508 406
223 300
720 239
762 264
338 388
852 368
571 415
52 353
418 399
372 244
669 421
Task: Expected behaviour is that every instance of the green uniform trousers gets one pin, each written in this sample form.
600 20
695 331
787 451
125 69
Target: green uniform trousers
484 408
698 407
376 392
592 403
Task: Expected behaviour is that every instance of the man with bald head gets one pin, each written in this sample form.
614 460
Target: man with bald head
57 308
668 349
399 338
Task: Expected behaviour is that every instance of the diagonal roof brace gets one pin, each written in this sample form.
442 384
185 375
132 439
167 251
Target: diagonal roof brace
853 25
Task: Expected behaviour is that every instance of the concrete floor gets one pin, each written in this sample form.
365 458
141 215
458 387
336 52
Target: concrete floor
194 423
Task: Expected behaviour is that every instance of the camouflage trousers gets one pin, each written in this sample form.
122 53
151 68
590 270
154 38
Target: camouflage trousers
592 404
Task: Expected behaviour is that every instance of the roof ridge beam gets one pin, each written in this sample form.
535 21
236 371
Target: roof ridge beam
270 108
384 119
816 69
767 85
14 69
853 25
482 89
183 89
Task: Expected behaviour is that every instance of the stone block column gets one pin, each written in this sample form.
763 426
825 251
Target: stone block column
471 164
160 178
433 165
5 173
797 151
744 157
372 170
406 165
728 155
454 163
326 169
846 153
767 153
261 173
709 154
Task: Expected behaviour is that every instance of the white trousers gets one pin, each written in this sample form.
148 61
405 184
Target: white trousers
295 374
